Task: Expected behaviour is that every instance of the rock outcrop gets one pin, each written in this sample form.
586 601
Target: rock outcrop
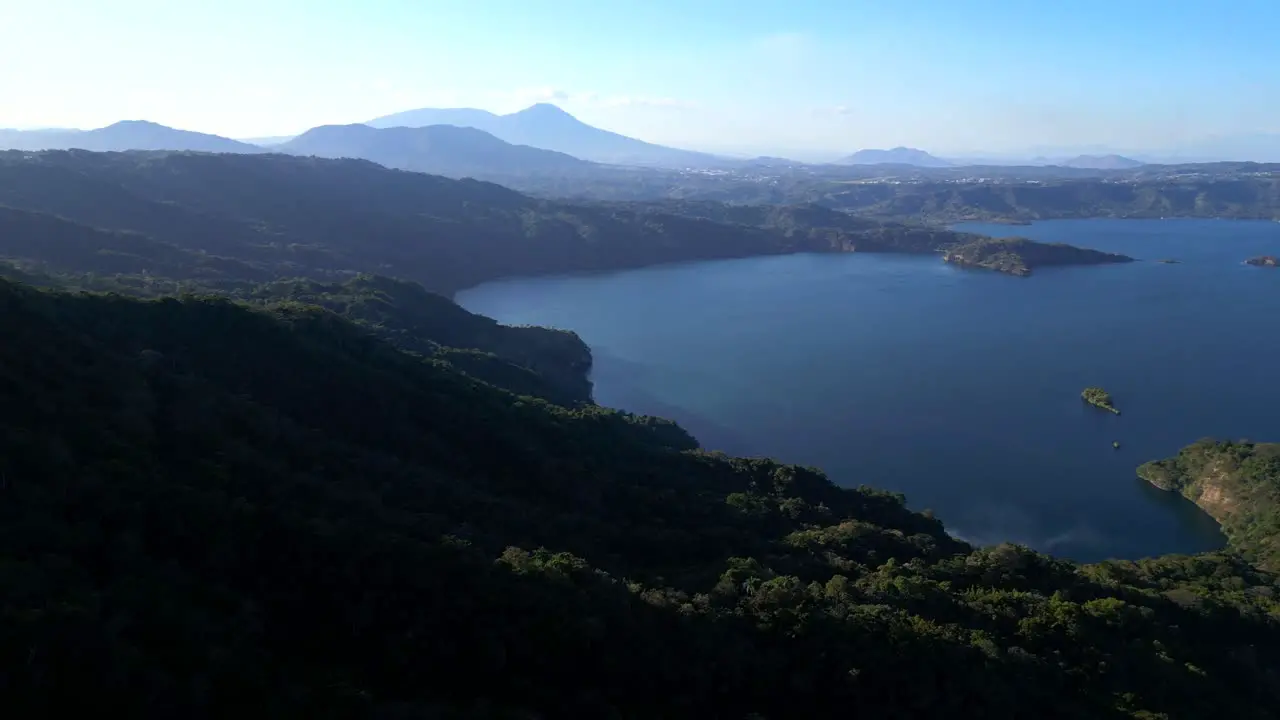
1237 484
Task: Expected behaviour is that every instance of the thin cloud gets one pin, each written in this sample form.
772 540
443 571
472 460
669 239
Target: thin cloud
542 94
834 111
528 96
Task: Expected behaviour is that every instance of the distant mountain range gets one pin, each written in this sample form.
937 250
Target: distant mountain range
542 127
126 135
542 140
437 149
548 127
1102 162
895 156
920 158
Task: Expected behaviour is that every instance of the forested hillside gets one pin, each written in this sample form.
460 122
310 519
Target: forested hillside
214 508
1222 190
542 362
1238 483
226 490
259 217
1256 198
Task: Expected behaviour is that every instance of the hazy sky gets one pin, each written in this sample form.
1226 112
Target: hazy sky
944 75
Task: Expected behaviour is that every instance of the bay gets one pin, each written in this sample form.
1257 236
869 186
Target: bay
959 388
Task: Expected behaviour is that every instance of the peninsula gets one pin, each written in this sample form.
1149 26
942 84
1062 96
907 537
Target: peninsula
1099 397
450 527
1238 484
328 219
424 521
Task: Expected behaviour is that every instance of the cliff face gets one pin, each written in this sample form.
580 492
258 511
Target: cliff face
1238 484
1210 488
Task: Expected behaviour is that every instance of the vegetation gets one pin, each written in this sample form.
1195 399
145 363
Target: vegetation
933 195
1223 197
545 363
1100 398
214 507
940 196
223 492
254 218
1238 483
1017 256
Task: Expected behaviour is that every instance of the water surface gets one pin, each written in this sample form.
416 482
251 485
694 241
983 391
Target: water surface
959 388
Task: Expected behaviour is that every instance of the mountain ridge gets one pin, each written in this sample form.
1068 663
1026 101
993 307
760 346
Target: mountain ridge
123 136
277 215
447 150
548 127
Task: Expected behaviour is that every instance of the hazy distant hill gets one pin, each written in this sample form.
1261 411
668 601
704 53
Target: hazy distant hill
267 141
438 149
896 156
462 117
1103 162
550 128
126 135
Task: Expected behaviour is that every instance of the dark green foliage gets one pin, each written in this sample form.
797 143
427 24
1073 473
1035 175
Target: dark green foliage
62 246
1100 398
1238 483
213 510
536 361
551 364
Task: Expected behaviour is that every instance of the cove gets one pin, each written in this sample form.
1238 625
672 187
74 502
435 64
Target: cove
958 388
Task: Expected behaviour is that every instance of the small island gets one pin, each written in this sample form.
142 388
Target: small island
1263 261
1017 256
1169 261
1100 398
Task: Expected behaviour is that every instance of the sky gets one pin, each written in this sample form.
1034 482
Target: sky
753 76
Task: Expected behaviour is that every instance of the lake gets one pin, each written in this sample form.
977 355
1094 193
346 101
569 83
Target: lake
959 388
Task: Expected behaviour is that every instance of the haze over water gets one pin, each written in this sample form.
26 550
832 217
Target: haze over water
959 388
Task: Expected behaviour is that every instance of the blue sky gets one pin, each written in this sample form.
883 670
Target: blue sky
949 76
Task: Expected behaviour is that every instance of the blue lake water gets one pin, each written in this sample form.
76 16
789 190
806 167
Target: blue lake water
959 388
